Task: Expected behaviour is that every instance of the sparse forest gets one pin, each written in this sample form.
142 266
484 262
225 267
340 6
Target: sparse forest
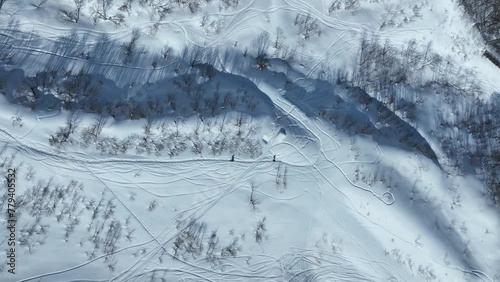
242 140
486 15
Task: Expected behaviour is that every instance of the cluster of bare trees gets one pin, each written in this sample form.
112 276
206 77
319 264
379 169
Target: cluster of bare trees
493 165
64 135
99 10
254 200
78 89
33 88
92 133
158 138
58 86
192 5
47 205
484 151
276 41
105 230
486 14
191 242
73 15
307 26
397 16
82 91
348 5
386 72
382 65
130 46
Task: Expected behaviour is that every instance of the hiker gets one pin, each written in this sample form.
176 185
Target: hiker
274 158
232 159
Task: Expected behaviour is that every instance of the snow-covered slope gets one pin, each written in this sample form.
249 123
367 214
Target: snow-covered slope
358 134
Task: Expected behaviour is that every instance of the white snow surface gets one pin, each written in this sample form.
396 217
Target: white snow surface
337 206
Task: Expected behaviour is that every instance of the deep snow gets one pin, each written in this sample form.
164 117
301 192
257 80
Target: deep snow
355 194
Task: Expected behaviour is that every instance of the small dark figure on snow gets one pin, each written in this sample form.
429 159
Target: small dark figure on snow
274 158
232 159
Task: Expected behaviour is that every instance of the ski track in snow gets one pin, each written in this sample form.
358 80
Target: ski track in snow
303 120
53 160
212 202
41 276
200 209
49 153
197 210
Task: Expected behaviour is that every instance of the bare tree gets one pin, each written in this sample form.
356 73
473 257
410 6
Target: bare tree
213 244
152 205
130 46
204 19
93 132
231 249
73 121
103 7
261 43
260 230
279 38
172 101
336 5
351 5
73 16
100 12
30 89
254 201
285 178
77 88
